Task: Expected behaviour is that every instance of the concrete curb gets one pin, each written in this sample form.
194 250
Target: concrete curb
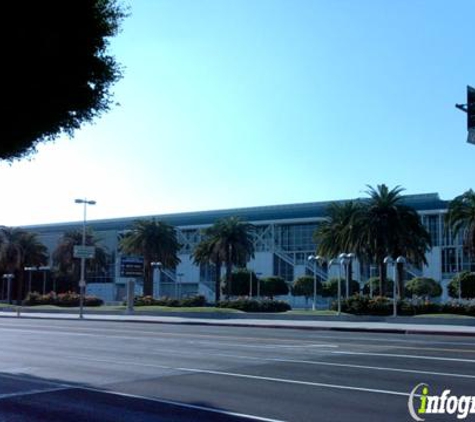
393 327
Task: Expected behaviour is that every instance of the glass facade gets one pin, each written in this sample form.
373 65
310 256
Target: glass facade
283 269
295 237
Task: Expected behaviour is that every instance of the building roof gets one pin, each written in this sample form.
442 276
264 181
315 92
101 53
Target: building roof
310 210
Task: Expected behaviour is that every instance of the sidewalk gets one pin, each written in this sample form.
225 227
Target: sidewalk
400 325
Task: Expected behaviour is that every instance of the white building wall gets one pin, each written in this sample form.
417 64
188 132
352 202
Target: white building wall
262 263
434 261
191 272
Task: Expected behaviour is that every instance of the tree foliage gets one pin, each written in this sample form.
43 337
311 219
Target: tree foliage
228 242
155 241
373 228
461 217
20 248
330 287
423 286
67 268
56 68
240 280
273 286
303 286
466 280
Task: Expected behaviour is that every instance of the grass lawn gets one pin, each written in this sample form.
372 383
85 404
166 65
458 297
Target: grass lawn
122 308
198 309
325 312
442 316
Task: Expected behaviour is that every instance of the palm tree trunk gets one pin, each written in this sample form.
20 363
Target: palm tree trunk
147 280
229 270
19 298
400 276
382 278
217 285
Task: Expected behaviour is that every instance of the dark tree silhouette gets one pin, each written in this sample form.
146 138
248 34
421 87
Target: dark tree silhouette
56 71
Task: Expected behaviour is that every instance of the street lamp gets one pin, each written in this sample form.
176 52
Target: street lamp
390 261
258 285
30 270
157 267
345 260
399 260
179 276
317 259
82 281
9 278
335 262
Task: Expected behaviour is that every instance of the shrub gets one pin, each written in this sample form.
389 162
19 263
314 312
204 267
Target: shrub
303 286
273 286
374 283
422 286
253 305
467 279
68 299
198 300
330 287
240 283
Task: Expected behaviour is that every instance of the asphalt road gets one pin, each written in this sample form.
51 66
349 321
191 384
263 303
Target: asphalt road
106 371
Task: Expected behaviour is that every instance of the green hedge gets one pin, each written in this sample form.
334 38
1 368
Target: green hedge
68 299
382 306
168 301
253 305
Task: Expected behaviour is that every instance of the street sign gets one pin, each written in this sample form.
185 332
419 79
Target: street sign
87 252
131 267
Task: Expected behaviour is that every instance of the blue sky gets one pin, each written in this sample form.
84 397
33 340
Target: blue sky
243 103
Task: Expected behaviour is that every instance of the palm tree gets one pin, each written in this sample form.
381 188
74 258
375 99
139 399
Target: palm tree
338 232
155 241
460 217
228 242
67 267
387 227
20 248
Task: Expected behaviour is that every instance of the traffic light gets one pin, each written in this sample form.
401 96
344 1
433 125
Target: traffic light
470 108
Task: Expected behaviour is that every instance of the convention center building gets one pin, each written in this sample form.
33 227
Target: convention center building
283 242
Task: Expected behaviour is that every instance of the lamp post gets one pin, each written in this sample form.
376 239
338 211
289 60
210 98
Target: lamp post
389 261
9 278
258 285
399 260
30 270
335 262
317 259
179 275
345 260
82 281
157 267
250 283
44 269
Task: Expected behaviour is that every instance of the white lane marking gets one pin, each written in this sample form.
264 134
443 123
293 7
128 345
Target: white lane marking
377 368
254 377
31 392
394 355
288 381
216 342
344 365
185 405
